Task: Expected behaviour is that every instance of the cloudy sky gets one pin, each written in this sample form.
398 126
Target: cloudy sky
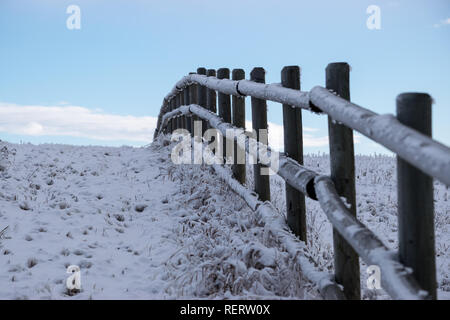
104 83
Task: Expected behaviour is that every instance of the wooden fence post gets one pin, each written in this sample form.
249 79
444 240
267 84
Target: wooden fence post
166 128
293 147
238 110
177 104
187 119
342 164
415 198
211 104
259 121
224 105
181 118
201 98
171 125
193 100
211 98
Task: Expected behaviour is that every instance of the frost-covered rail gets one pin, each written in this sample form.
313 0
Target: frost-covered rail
428 155
298 176
408 274
276 225
421 151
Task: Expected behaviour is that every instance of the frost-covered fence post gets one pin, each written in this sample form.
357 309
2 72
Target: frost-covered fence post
415 198
211 98
224 104
293 147
187 101
201 98
193 100
181 118
238 104
172 106
259 122
342 165
177 104
166 128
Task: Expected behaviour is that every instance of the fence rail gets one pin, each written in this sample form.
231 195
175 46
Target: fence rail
408 275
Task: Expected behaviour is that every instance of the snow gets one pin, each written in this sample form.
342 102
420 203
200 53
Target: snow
82 208
141 227
138 226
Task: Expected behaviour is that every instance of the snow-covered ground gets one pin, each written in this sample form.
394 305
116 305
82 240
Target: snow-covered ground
141 227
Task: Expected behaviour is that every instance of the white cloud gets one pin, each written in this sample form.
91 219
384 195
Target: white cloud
80 122
74 121
33 129
444 22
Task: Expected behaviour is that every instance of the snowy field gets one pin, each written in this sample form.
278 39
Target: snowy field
141 227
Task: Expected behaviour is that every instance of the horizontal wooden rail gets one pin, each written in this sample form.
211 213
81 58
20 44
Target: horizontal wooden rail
295 174
272 92
428 155
397 280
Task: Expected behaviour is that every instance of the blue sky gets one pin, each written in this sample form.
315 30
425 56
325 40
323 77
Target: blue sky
103 84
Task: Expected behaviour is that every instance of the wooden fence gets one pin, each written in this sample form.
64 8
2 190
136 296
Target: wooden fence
409 273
